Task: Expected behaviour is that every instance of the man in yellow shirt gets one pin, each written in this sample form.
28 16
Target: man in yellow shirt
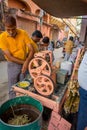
14 43
68 48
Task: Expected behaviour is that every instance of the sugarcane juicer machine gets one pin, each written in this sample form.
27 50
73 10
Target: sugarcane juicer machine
43 72
44 76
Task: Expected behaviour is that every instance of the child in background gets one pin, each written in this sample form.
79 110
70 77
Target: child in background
47 45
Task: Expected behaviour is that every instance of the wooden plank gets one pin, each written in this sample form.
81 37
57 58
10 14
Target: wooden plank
62 101
45 101
76 65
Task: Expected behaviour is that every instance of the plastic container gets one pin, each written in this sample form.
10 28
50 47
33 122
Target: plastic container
28 104
66 65
61 76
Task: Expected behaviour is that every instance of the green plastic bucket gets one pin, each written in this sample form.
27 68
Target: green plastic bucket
27 104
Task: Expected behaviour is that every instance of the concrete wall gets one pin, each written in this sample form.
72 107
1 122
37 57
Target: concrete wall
31 22
83 29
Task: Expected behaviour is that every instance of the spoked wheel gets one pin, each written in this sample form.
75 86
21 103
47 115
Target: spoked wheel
44 85
39 66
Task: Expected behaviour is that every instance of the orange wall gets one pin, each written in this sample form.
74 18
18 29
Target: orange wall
33 6
45 29
16 4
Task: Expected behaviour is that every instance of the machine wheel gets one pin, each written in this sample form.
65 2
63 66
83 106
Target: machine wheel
39 66
44 85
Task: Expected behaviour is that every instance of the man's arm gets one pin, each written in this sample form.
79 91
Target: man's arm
72 46
13 59
29 57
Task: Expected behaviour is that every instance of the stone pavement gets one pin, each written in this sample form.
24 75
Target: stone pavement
3 92
3 82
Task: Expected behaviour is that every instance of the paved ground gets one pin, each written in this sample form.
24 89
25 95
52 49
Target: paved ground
3 92
3 82
3 75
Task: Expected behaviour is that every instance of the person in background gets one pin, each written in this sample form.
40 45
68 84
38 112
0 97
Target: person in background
52 43
14 43
68 48
58 44
73 56
35 39
47 44
76 42
82 79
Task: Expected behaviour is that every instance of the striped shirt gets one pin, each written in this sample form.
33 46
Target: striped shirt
82 73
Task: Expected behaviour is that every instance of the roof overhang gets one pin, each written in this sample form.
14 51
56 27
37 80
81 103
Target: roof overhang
63 8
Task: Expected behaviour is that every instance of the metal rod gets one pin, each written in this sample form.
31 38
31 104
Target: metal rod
69 27
72 25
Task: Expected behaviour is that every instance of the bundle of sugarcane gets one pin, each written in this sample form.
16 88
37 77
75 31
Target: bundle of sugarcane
19 120
81 56
72 100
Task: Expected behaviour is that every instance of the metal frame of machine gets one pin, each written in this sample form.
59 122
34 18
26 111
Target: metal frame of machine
41 66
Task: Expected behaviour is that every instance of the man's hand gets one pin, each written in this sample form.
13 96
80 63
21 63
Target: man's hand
30 56
24 67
